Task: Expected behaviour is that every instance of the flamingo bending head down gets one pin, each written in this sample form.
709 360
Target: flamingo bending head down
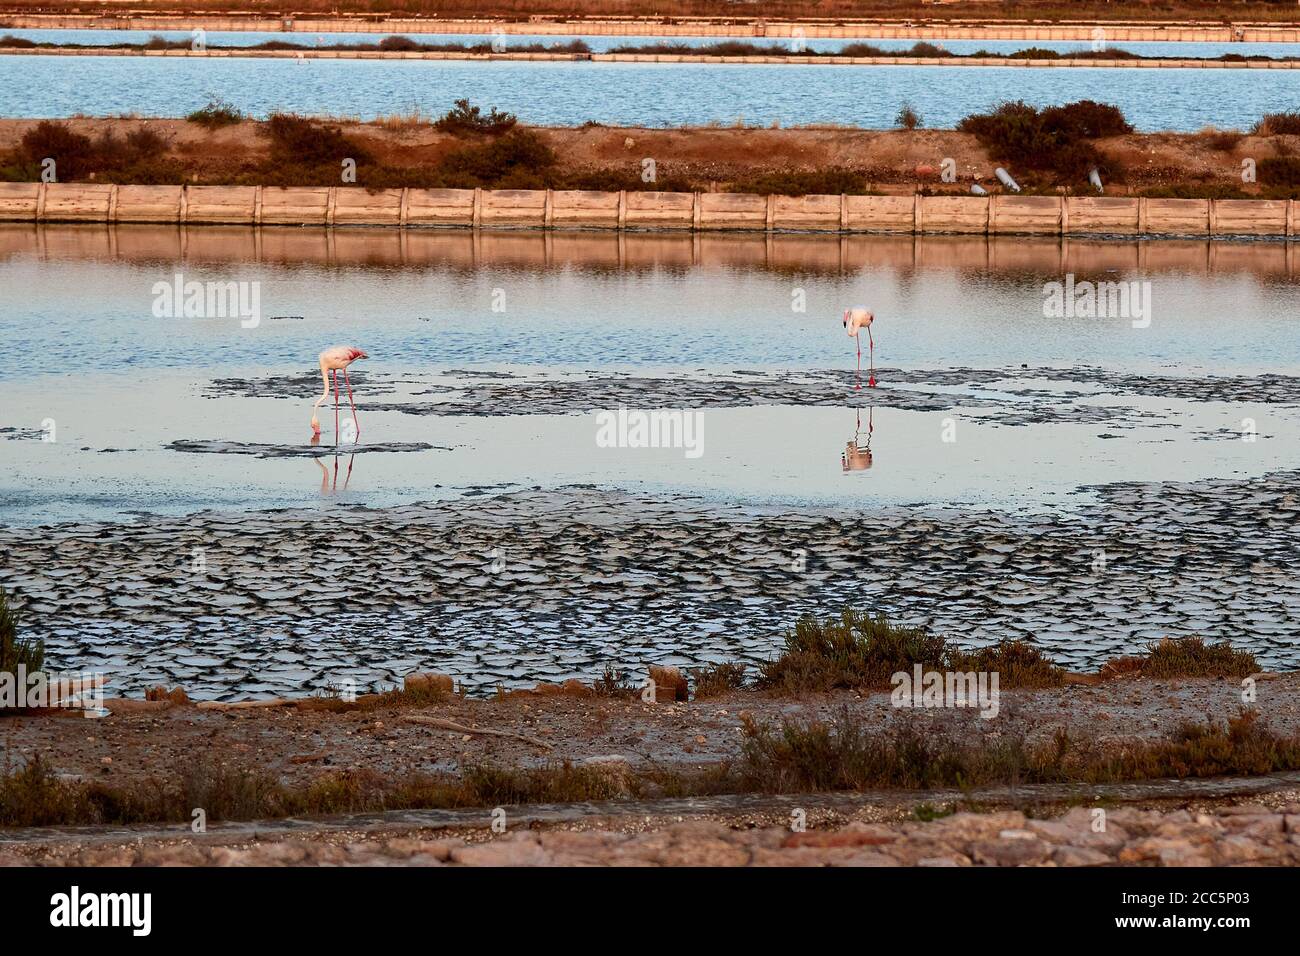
333 360
855 320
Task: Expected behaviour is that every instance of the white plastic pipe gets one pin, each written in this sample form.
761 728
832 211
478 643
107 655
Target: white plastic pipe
1007 181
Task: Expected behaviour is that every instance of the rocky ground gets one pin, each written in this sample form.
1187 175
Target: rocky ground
1246 834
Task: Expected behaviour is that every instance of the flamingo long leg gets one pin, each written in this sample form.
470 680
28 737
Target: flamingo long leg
348 382
335 374
871 342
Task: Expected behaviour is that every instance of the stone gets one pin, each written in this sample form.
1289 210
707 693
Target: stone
429 681
1017 852
1079 856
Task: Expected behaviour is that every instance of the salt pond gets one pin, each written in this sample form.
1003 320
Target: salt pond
1084 482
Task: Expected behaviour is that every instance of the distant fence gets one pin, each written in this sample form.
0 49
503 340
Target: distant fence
545 208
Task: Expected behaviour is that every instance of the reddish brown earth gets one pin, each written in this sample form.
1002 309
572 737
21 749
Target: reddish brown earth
712 158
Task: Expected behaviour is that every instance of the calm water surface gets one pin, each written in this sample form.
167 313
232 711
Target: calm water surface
631 94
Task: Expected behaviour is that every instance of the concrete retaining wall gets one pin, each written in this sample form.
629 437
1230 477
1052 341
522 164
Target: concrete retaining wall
679 26
793 59
543 208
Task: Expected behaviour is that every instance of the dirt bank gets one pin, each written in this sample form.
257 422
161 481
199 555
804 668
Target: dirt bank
705 159
297 744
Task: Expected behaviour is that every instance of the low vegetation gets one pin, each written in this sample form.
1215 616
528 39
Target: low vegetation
716 679
861 651
1054 139
843 755
216 114
1193 657
15 652
465 118
792 757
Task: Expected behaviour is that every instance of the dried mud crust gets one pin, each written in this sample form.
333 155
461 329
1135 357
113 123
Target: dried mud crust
288 603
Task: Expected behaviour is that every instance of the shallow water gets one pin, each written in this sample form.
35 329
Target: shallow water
630 94
1006 449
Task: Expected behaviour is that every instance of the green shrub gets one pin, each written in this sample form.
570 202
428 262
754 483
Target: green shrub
1055 139
297 140
1278 124
1278 171
464 118
215 114
520 159
73 153
856 651
29 653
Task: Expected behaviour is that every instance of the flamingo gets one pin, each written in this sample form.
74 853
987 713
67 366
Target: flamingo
331 361
856 319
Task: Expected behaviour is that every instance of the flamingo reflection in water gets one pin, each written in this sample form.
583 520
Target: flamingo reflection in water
330 486
857 457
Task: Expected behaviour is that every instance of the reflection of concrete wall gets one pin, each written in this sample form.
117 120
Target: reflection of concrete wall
738 27
705 212
613 250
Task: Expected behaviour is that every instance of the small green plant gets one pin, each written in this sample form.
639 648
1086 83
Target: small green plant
216 114
1193 657
463 118
30 653
857 650
718 679
1278 124
613 683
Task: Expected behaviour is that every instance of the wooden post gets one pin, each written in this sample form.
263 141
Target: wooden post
696 213
112 202
183 208
40 200
403 214
476 217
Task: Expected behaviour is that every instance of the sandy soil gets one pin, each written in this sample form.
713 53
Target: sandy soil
709 157
298 744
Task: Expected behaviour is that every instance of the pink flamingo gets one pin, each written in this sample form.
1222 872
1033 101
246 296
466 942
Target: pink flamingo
331 361
855 320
